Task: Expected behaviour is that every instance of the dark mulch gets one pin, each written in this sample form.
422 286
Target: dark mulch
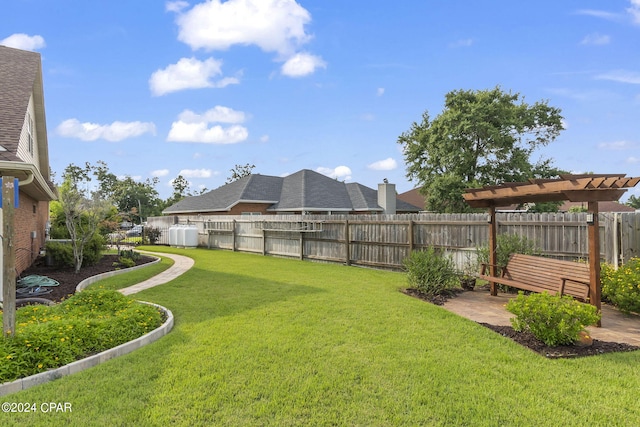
526 339
69 279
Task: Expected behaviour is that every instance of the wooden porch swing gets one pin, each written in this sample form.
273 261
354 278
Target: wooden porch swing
589 188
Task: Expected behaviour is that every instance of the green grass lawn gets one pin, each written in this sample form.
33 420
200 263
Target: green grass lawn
268 341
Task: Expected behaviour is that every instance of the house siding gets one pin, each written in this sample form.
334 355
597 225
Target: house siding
23 146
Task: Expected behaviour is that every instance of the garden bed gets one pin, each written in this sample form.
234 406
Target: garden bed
69 279
526 339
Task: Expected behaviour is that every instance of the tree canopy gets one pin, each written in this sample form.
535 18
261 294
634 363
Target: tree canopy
484 137
634 202
240 171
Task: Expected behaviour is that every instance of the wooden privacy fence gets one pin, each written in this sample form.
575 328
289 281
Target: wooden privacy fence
383 241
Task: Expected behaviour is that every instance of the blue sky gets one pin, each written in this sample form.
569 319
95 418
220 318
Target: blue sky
193 88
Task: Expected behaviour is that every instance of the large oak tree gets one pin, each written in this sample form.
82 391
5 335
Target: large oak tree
484 137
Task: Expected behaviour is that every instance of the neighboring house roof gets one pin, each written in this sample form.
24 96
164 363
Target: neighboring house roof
20 79
413 197
602 206
302 191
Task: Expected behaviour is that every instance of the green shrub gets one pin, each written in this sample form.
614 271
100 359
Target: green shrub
430 271
89 322
621 287
507 245
93 250
130 254
61 253
152 234
124 262
553 319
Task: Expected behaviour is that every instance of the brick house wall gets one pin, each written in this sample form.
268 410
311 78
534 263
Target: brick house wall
30 216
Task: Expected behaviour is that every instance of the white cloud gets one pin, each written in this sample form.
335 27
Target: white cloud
461 43
596 39
634 11
621 76
116 131
160 172
616 145
599 14
189 73
196 173
201 133
380 91
302 64
272 25
384 165
218 114
176 6
633 159
264 138
24 41
340 172
192 127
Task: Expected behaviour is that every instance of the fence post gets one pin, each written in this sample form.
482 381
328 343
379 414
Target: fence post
616 240
347 243
233 235
410 237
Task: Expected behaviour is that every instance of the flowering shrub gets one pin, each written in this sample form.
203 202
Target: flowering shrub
89 322
430 271
621 287
553 319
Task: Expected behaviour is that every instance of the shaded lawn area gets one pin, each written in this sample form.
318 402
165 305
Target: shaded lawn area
268 341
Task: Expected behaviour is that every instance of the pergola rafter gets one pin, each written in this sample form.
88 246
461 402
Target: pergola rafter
575 188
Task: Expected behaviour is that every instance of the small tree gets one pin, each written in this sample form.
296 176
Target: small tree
83 215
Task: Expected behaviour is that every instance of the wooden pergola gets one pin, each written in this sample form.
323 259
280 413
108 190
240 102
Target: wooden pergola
575 188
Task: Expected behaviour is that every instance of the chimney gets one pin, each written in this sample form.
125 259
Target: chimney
387 197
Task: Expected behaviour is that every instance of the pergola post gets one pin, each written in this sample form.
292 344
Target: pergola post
593 227
493 245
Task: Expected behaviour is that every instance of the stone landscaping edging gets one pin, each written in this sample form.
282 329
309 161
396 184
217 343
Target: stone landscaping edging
96 359
91 280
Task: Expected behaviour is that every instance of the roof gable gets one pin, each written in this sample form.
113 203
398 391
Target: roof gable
19 70
309 190
20 80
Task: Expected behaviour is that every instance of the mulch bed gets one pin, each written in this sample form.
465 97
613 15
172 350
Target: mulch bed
526 339
69 279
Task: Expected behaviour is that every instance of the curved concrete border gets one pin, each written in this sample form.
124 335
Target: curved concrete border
96 359
122 349
91 280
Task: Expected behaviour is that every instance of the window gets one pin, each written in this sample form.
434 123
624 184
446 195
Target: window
30 131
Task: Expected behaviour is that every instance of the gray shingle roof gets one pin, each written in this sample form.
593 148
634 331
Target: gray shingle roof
251 188
18 72
20 78
305 190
